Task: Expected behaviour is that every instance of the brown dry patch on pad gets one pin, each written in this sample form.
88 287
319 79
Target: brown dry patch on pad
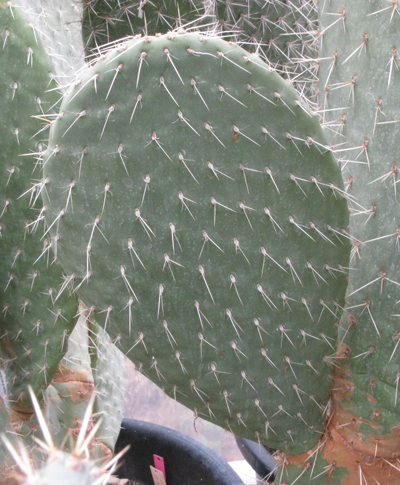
344 446
80 384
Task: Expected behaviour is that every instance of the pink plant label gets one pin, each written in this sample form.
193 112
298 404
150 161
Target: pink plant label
159 464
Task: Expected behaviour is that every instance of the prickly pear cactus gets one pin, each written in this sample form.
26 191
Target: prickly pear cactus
71 389
92 367
359 101
35 315
283 33
208 230
75 388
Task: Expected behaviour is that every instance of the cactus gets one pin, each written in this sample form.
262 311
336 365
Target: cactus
71 389
37 317
65 468
57 23
199 229
151 131
90 368
30 307
367 384
360 106
81 384
108 377
104 22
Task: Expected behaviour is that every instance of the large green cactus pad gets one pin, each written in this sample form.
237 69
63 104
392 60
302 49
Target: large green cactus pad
205 230
369 157
32 322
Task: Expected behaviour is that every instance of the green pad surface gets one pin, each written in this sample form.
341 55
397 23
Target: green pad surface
205 230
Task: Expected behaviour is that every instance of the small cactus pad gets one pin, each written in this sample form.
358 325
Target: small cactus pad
92 365
67 397
207 231
32 322
108 372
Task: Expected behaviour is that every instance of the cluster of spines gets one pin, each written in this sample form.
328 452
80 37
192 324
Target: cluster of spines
284 34
75 466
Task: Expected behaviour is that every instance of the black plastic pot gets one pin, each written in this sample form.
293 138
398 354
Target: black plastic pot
258 458
187 462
